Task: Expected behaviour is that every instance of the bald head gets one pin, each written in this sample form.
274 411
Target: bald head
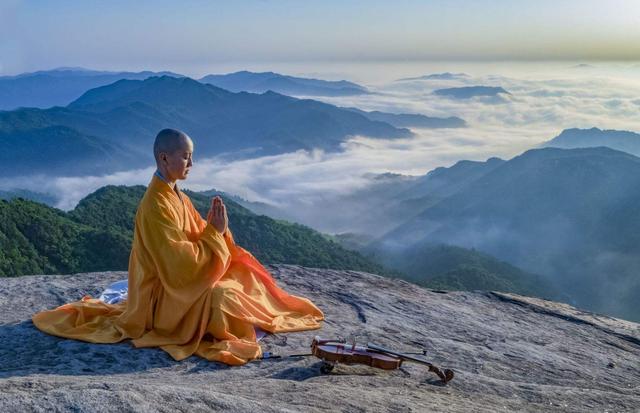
169 141
173 151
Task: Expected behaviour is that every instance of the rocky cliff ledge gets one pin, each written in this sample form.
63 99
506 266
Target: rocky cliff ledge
510 353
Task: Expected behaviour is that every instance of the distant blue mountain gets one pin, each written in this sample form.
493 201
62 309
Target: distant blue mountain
58 87
112 127
438 76
625 141
571 214
467 92
410 120
444 181
55 149
245 81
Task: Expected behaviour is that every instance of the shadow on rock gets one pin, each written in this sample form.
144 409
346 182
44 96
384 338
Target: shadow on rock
25 350
298 373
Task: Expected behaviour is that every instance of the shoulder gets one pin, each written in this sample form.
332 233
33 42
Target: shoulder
155 205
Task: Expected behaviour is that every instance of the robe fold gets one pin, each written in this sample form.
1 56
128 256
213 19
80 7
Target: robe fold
192 290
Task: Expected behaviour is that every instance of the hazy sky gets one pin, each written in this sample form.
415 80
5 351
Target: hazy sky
191 36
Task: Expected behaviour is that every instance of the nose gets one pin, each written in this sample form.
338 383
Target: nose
190 162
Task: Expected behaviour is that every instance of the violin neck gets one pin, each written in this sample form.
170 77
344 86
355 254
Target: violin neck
403 356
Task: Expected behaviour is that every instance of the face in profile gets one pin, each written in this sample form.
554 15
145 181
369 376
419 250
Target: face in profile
178 162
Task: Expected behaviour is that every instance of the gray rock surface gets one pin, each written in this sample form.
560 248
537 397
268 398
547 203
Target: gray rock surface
509 353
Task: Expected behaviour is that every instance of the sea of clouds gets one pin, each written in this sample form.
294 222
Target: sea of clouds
544 99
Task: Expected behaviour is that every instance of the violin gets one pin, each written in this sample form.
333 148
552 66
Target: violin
332 352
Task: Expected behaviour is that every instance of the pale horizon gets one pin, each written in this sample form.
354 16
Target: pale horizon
195 35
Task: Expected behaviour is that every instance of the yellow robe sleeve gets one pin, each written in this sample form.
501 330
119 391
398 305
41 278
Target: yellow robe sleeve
182 263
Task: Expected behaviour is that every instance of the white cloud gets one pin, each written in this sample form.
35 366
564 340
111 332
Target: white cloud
70 190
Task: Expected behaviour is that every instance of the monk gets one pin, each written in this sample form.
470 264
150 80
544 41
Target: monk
192 290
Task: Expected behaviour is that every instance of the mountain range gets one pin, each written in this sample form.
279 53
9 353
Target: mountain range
413 194
112 127
569 214
438 76
245 81
625 141
59 87
412 120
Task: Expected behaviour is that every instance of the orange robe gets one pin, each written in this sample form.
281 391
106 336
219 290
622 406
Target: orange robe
191 291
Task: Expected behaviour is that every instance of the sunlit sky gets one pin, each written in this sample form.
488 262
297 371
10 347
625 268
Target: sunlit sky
191 36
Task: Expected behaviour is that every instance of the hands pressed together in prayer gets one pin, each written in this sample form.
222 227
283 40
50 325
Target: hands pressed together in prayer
217 215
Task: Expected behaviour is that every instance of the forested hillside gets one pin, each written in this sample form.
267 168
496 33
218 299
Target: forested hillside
97 234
